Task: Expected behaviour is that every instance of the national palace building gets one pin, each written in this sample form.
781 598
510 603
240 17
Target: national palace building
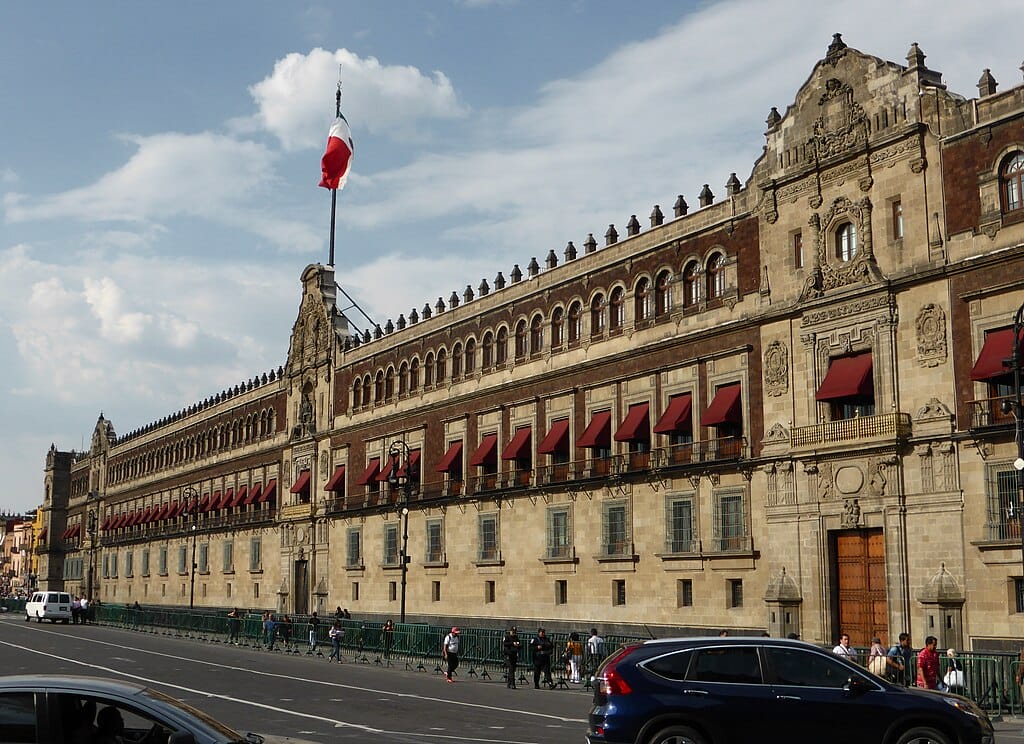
777 409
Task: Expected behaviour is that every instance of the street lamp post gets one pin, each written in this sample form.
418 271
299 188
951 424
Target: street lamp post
90 528
402 476
1016 407
193 495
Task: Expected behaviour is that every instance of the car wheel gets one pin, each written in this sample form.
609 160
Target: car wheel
39 618
64 621
677 735
923 735
27 618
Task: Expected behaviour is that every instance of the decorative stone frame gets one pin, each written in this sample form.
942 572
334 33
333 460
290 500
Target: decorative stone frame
826 271
992 217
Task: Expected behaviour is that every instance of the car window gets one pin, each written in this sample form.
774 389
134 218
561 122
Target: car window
65 599
799 668
671 666
95 720
17 717
735 664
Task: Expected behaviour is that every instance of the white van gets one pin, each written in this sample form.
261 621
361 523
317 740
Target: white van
52 606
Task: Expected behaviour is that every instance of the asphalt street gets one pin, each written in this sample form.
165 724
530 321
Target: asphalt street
308 699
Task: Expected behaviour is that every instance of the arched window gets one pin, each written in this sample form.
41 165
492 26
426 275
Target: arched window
663 294
1011 182
428 370
520 339
597 315
557 327
642 300
716 276
403 379
616 310
487 352
357 389
846 241
378 387
575 323
470 358
457 361
389 384
537 334
501 347
441 366
414 374
366 390
691 284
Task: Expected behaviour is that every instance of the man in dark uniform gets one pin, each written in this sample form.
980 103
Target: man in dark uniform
540 649
511 656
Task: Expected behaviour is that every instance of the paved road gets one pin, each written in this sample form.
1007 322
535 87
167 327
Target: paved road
300 696
306 698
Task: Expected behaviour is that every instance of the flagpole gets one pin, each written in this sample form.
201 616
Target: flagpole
334 192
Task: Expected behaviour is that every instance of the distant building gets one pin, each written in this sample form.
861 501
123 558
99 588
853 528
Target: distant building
778 410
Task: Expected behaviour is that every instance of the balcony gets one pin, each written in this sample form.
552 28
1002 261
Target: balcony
861 430
987 413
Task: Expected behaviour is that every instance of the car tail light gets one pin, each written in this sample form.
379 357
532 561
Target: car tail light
609 681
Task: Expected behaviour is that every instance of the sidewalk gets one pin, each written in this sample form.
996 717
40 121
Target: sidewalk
1009 730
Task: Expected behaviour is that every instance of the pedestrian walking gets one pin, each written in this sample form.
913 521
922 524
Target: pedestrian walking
270 631
76 610
285 628
928 664
234 625
314 628
388 632
540 649
511 646
336 633
450 652
84 606
574 654
877 663
844 649
899 660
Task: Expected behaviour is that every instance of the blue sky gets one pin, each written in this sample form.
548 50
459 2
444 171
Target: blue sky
159 164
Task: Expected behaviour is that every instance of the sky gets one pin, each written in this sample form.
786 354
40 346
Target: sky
159 164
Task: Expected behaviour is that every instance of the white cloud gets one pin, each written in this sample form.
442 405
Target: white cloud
296 101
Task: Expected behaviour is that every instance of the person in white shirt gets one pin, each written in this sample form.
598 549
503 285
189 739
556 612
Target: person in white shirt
84 610
450 652
844 648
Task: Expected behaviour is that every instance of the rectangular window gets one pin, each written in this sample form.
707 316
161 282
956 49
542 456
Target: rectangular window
435 591
897 219
1018 594
256 590
730 521
618 592
684 593
392 591
355 591
561 591
798 250
113 565
735 592
353 554
679 524
489 549
255 555
229 557
559 532
145 561
615 529
488 592
106 567
128 561
204 558
435 541
390 557
1003 502
182 559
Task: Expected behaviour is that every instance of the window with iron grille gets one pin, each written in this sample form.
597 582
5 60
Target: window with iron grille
229 556
113 565
353 554
559 532
128 567
679 524
735 592
435 541
730 521
390 557
204 558
488 538
618 592
182 559
106 567
561 591
684 593
1018 593
615 528
1003 502
255 554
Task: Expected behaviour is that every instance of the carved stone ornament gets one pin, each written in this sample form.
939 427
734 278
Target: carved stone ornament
311 333
842 123
831 273
851 513
323 467
933 409
930 326
776 435
776 369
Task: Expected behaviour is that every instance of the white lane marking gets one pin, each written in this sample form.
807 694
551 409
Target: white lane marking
445 701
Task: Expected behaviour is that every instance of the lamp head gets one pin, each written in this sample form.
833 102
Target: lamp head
1006 407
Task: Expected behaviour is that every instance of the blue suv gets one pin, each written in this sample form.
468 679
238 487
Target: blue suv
765 690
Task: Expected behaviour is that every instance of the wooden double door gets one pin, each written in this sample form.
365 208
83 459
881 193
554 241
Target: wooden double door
859 601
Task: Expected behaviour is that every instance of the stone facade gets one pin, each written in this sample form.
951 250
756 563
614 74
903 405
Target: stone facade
758 415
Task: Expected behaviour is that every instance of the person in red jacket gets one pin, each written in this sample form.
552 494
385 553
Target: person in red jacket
928 664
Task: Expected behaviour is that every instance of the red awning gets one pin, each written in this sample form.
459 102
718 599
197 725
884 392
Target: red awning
557 439
239 497
302 483
172 510
270 492
676 415
134 519
75 531
847 377
147 515
598 433
725 408
215 500
414 459
337 481
42 534
487 452
998 348
229 496
370 473
106 522
636 426
254 493
385 472
454 453
519 445
208 501
161 513
64 534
